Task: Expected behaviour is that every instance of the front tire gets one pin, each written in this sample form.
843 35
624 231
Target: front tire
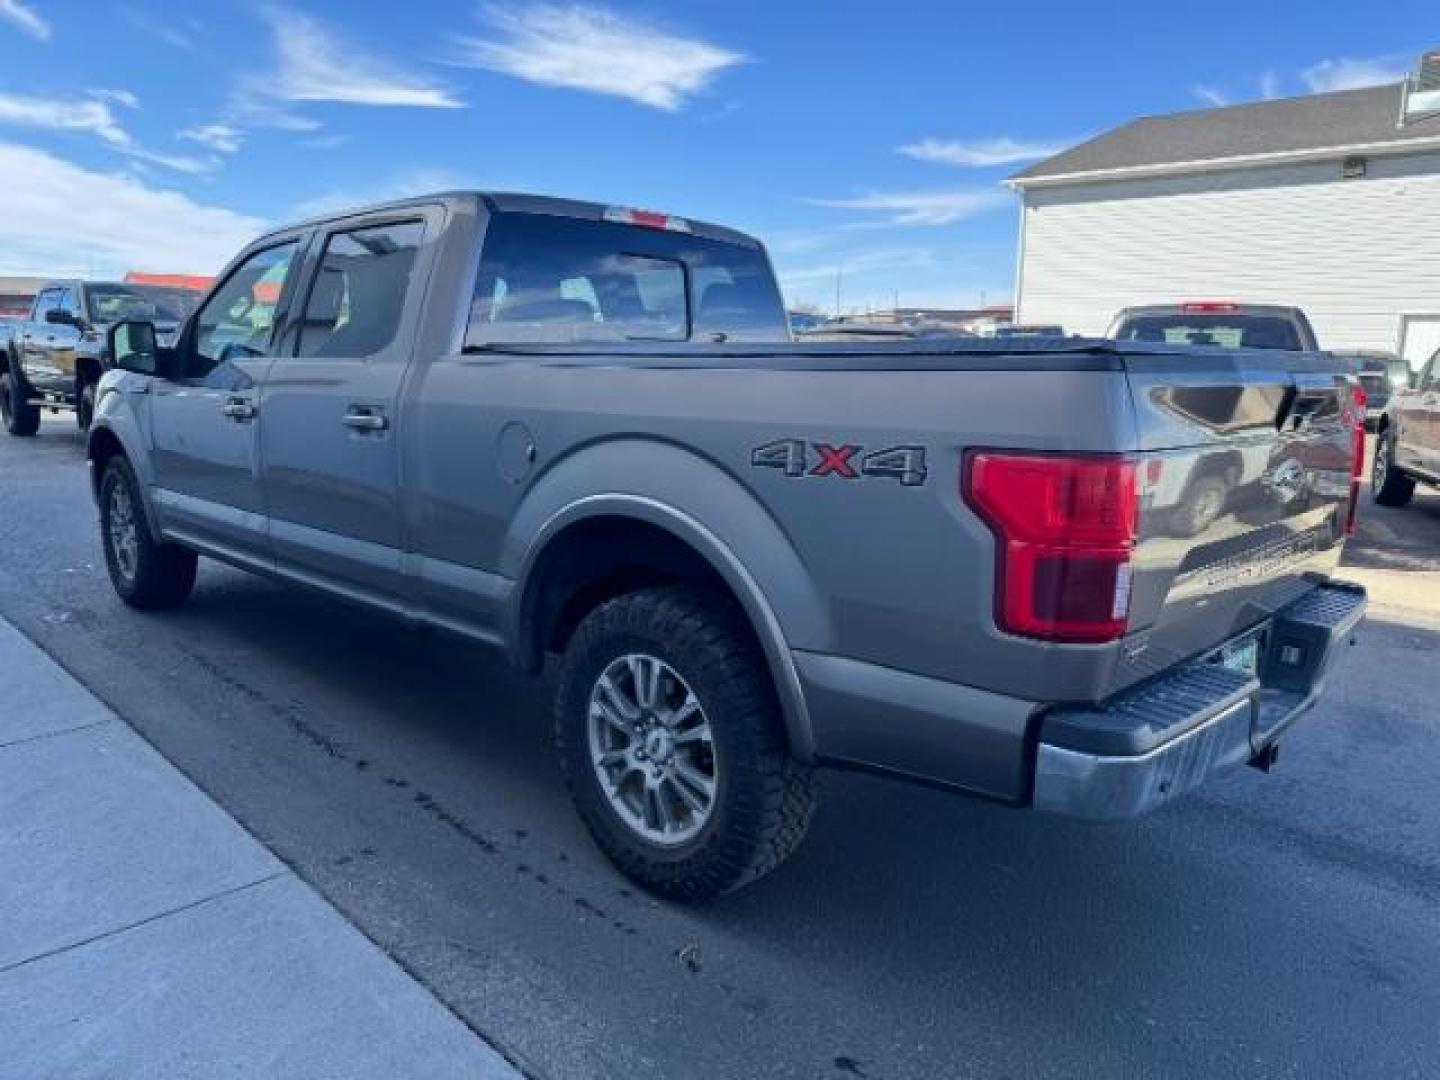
671 742
20 416
146 574
1389 484
85 406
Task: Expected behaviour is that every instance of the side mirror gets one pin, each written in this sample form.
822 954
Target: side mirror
133 347
59 317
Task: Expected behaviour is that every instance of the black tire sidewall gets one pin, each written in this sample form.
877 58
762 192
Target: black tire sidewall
85 406
118 471
1397 487
23 418
727 676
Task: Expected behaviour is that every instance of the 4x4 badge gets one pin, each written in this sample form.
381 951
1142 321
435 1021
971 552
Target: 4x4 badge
845 461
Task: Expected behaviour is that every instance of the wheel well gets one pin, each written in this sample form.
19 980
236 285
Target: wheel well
596 560
1383 424
104 445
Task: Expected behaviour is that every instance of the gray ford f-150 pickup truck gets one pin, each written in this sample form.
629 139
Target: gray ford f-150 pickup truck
580 431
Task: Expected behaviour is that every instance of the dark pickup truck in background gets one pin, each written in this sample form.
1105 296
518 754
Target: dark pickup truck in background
1223 323
54 359
581 431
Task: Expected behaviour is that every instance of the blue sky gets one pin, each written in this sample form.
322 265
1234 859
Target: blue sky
869 139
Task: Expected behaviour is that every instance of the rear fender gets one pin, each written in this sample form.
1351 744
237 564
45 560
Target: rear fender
703 505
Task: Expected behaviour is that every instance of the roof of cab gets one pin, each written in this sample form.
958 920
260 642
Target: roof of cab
518 203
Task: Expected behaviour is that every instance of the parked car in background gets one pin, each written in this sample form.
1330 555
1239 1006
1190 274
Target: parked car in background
804 321
1380 373
584 432
1222 323
1028 331
863 331
54 359
1407 443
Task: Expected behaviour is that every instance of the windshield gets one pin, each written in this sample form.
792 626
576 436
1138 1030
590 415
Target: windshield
546 278
1226 329
150 303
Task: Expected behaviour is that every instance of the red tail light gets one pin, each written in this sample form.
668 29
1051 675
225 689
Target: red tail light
1065 529
1200 306
1357 462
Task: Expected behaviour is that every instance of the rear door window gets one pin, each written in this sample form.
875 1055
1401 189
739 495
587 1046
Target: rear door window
354 307
552 279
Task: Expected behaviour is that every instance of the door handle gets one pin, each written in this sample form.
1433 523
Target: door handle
238 409
361 420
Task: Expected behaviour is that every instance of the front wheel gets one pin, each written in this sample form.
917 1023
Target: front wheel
145 574
1389 484
85 406
20 416
672 745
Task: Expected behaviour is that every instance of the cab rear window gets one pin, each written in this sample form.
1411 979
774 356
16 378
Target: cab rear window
550 279
1225 329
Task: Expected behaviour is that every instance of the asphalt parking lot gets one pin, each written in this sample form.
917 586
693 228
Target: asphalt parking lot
1271 926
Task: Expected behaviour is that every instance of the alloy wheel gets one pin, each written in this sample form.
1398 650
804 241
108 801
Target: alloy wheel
652 749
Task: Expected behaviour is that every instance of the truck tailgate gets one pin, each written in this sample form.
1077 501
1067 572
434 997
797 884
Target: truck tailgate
1246 482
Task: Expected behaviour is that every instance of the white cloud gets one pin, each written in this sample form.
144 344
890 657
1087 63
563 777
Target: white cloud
1351 73
119 97
58 218
168 32
1269 85
318 64
1211 96
983 152
416 182
96 118
925 207
222 137
593 49
179 162
26 18
92 116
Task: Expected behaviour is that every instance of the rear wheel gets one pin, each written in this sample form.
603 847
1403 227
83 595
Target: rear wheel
21 417
145 574
1389 484
672 745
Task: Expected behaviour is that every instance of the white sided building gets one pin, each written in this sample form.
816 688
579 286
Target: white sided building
1330 202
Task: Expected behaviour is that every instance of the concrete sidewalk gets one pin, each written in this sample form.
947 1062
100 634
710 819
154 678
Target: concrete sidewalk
144 933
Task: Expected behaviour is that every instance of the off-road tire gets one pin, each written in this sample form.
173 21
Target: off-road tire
85 405
764 798
21 418
1389 484
164 574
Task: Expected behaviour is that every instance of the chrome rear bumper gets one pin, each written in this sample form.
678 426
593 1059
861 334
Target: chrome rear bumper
1128 755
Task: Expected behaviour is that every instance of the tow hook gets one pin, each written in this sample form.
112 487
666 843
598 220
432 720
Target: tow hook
1266 758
